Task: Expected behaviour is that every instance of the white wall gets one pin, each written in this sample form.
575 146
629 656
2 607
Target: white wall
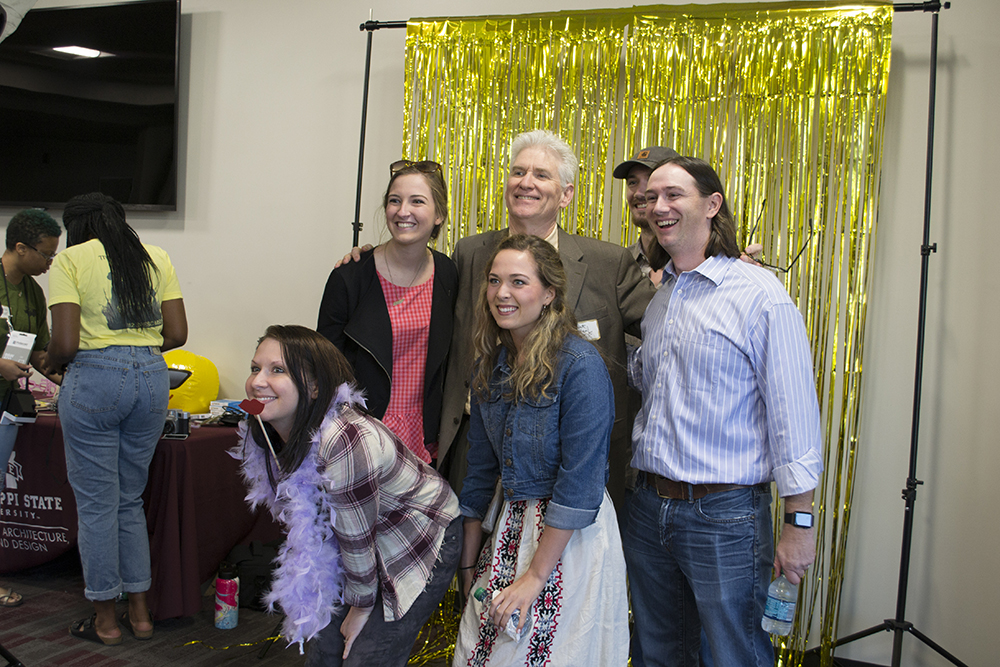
270 119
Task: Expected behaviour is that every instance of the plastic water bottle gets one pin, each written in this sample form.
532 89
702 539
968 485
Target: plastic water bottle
483 596
780 608
227 597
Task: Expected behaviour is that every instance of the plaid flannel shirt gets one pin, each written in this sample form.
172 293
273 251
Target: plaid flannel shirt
392 512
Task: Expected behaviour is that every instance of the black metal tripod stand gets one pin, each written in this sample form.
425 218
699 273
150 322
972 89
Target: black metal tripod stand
899 625
369 26
9 657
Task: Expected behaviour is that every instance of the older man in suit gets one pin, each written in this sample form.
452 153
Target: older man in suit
607 290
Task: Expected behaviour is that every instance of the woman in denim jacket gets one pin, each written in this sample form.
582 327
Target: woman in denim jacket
541 416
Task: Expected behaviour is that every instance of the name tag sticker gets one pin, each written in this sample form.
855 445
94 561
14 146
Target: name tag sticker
589 330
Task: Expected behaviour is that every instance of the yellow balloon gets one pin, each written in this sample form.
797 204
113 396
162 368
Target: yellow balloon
194 381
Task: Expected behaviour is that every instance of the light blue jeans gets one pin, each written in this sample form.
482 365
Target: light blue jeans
112 406
702 564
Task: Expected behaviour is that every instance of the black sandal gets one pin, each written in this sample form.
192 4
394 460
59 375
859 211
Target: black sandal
141 635
11 599
86 629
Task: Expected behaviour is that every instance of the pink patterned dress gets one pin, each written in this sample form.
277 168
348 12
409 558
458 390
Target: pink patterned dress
410 316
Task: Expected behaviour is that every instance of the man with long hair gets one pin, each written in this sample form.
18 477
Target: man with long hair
729 405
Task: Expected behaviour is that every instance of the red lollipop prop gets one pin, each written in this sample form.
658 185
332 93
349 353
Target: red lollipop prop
251 406
254 407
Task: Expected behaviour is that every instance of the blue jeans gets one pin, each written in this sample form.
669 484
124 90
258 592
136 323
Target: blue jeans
382 643
700 564
112 406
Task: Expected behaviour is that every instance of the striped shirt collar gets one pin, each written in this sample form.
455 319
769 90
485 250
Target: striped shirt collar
714 268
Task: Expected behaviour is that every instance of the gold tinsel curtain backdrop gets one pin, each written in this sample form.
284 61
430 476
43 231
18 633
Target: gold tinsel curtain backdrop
786 100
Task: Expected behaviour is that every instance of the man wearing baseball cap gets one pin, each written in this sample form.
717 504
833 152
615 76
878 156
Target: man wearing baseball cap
651 258
648 254
646 251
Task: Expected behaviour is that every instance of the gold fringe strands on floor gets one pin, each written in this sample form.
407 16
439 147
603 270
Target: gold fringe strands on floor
231 646
437 637
785 100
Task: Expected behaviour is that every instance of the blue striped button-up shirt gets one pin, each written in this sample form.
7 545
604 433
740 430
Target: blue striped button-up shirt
727 380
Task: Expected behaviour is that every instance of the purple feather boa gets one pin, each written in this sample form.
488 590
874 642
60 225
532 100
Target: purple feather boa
308 579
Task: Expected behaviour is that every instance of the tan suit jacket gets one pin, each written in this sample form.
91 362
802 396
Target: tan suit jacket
604 284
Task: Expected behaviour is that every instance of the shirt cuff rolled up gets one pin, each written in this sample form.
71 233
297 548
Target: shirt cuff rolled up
800 475
569 518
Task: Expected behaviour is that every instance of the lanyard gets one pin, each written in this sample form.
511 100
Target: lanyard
10 306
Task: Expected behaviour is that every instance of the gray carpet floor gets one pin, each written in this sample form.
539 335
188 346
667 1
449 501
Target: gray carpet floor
37 632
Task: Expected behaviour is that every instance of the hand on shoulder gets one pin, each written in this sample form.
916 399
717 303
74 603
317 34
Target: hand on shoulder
751 253
353 256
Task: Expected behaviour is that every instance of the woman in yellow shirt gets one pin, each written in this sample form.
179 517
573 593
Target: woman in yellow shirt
116 306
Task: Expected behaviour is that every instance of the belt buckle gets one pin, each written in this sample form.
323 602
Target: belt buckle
667 484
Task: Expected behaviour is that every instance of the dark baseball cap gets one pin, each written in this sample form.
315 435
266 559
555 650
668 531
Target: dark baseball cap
647 157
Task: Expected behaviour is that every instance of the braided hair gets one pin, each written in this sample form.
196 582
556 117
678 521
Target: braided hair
98 216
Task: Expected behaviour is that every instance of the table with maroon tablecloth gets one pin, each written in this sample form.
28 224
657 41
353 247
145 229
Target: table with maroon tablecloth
195 510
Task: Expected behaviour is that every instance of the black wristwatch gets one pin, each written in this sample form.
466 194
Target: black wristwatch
799 519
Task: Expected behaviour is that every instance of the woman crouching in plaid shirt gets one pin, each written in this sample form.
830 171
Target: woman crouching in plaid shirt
373 533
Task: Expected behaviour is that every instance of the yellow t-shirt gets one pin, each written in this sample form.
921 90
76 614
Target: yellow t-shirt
81 275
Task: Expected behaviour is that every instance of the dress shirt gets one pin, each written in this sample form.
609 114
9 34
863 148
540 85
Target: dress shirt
727 379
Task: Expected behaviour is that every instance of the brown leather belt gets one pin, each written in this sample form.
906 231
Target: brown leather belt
668 488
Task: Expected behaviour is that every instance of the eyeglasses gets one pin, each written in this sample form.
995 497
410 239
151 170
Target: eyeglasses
423 166
46 255
782 269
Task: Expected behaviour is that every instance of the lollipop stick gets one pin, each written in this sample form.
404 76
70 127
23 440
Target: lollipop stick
269 445
254 407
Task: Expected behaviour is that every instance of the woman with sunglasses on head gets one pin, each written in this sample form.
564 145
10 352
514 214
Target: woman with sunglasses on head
368 523
540 423
391 312
116 306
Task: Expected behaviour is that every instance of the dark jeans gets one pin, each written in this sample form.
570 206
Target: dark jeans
700 565
382 643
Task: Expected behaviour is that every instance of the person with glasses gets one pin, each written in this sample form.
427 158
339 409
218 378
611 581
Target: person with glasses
729 405
116 307
391 312
32 239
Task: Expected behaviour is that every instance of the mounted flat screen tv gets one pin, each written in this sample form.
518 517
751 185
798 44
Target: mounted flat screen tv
100 119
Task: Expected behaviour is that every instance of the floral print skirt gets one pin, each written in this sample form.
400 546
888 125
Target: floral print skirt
581 615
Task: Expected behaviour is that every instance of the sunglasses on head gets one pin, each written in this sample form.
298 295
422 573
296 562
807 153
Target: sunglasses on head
425 166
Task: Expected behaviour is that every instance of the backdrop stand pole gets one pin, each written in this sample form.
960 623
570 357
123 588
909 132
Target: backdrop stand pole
370 26
899 625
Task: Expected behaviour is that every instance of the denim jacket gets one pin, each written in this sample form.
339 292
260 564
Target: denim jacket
555 447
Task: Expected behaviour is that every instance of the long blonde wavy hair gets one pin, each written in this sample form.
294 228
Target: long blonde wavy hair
533 371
